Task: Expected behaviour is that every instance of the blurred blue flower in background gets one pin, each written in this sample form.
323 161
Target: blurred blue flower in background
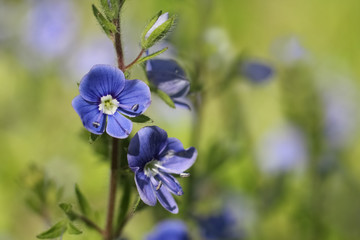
169 230
104 94
340 112
220 226
288 50
169 77
153 157
50 27
91 51
256 71
281 150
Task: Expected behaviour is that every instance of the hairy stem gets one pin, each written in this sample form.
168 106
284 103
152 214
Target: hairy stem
136 59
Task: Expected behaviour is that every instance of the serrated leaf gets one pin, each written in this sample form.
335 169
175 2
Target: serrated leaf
148 57
106 25
159 33
148 26
140 119
82 201
55 231
72 229
166 98
93 137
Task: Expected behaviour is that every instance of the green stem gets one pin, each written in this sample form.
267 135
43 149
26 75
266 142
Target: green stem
136 59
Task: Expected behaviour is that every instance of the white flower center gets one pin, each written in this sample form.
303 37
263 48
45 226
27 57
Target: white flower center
151 168
108 105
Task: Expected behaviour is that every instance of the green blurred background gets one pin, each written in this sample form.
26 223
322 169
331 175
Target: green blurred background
235 123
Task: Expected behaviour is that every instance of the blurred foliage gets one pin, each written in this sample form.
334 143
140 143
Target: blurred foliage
230 116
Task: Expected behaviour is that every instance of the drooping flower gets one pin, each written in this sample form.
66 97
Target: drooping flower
256 71
169 229
161 19
169 77
153 157
105 95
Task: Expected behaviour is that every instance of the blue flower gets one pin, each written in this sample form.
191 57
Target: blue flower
256 71
153 157
281 150
104 94
50 27
169 77
169 230
222 225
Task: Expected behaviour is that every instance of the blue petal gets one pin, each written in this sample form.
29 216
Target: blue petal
89 113
170 182
175 88
136 96
166 200
165 66
180 161
170 230
102 80
182 102
118 126
169 77
172 144
145 188
257 71
147 143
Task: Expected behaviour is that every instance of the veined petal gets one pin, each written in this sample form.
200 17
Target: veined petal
157 66
170 182
182 102
145 188
175 88
166 199
118 126
100 81
135 98
173 145
147 143
89 114
179 161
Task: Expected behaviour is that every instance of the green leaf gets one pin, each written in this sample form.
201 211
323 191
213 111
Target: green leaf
159 33
82 201
93 137
148 26
165 98
55 231
106 25
140 119
67 208
148 57
72 229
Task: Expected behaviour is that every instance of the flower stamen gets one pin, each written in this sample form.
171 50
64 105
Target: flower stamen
108 105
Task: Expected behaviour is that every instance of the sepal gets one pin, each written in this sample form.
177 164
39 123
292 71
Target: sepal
158 33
